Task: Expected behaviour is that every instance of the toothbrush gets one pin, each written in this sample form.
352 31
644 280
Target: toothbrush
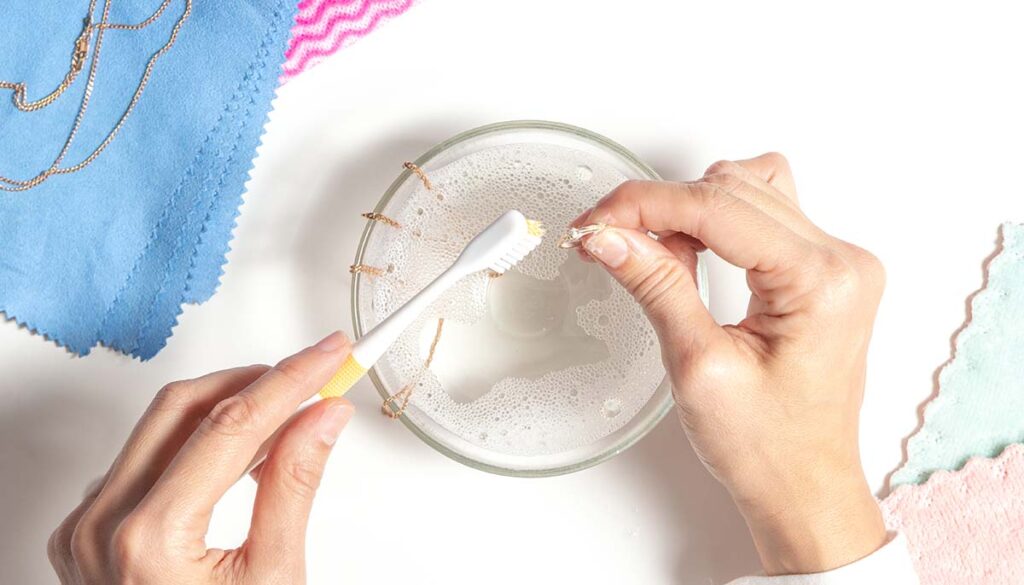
499 247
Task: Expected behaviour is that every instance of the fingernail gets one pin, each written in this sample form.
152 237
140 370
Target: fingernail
333 420
609 247
584 256
332 342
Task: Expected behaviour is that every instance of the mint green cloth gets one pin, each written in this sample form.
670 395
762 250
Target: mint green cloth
979 408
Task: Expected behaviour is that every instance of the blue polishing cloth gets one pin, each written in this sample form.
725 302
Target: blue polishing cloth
109 254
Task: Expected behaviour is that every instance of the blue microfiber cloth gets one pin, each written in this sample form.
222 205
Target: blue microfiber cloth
109 253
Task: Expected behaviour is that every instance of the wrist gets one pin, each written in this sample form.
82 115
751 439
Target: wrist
823 526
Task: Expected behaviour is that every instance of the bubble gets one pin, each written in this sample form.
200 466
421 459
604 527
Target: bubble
546 412
611 408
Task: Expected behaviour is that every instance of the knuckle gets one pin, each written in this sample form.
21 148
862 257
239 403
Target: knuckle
130 544
654 284
262 368
631 187
58 546
846 280
722 167
705 192
174 397
870 272
301 477
838 271
84 541
53 548
871 268
726 183
719 196
708 199
630 191
777 160
292 372
231 417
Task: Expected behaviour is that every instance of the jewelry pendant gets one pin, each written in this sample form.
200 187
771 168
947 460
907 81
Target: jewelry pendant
574 237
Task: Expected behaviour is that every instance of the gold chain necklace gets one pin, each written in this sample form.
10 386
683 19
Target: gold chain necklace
77 64
78 56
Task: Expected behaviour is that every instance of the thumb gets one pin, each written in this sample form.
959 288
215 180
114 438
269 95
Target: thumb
288 480
661 280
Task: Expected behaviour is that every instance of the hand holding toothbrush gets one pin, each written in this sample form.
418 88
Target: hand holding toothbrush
146 520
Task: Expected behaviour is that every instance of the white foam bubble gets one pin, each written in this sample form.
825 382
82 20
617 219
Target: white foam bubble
568 365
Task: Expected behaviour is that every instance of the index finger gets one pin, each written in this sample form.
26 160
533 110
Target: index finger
220 449
170 419
734 229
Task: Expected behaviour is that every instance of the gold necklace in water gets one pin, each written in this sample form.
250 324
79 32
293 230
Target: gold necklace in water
78 58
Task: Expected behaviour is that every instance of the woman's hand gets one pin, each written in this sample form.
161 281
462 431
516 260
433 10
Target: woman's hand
771 404
147 520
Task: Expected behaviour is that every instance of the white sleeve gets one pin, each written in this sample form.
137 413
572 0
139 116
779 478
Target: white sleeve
890 564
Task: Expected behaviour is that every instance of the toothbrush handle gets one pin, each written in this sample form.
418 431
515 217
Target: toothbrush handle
347 375
372 346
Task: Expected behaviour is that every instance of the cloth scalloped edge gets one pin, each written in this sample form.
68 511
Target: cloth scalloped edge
978 408
323 27
202 211
218 226
965 527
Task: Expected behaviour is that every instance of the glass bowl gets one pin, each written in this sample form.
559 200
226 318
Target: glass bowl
387 382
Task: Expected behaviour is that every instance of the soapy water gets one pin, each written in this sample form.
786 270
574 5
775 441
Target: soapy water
553 355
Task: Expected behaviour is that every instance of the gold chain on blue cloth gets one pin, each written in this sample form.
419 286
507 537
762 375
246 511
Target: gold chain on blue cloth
78 58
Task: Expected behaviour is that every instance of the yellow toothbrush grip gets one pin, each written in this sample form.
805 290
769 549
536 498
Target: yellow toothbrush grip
346 377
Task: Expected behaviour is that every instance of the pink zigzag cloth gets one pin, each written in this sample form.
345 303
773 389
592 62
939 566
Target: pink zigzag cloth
965 527
322 27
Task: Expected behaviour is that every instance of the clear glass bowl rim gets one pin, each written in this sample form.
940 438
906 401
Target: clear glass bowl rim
628 439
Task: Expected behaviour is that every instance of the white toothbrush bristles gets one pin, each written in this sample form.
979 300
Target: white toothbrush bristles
530 240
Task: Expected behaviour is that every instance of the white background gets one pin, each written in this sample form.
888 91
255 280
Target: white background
902 122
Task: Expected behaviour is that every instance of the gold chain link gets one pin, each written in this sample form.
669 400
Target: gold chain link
79 56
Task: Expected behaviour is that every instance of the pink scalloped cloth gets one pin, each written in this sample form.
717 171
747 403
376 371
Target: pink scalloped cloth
965 527
323 27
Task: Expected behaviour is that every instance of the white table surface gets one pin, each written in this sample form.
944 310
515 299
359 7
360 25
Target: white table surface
903 124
